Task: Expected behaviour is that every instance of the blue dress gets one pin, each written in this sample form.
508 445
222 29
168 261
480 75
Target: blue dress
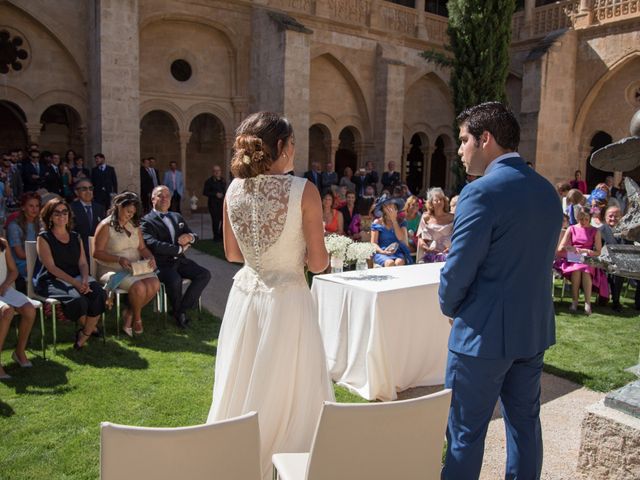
387 236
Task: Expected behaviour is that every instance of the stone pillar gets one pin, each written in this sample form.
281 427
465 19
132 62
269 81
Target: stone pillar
422 27
33 132
583 17
529 6
114 92
450 153
280 73
184 142
389 107
332 147
427 151
240 110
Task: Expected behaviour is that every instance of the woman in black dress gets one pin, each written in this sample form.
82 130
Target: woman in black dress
65 273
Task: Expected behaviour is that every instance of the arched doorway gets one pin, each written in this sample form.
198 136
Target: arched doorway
593 176
319 144
13 133
61 130
438 170
346 154
159 139
415 163
204 150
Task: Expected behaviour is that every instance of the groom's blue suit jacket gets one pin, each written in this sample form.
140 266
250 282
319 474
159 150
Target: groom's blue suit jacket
496 283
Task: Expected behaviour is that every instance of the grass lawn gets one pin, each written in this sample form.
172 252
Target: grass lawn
50 415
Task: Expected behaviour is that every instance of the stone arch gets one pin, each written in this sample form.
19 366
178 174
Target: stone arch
593 176
13 131
349 141
205 148
61 129
54 97
159 138
167 107
320 144
217 111
326 69
586 106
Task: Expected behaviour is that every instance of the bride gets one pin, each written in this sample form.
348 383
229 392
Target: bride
270 354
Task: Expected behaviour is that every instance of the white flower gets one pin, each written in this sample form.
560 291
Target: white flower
360 251
337 245
246 159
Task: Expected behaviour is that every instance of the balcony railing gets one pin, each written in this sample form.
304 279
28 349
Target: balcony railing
408 22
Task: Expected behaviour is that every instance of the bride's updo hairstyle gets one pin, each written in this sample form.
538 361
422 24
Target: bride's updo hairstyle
256 145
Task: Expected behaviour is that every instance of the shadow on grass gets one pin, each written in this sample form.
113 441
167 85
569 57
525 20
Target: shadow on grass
573 376
6 410
109 355
45 378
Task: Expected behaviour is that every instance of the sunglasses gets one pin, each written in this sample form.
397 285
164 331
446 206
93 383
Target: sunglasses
60 213
84 189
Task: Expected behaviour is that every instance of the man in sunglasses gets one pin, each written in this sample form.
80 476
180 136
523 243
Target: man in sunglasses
33 172
86 213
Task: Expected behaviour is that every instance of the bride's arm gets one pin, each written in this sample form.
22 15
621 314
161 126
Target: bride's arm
317 256
231 247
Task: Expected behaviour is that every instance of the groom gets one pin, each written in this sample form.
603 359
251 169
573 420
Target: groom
496 286
168 237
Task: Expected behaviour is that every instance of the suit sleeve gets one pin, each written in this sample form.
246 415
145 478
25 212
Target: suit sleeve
115 180
473 225
185 228
155 245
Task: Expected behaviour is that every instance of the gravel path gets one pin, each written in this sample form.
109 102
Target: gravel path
563 402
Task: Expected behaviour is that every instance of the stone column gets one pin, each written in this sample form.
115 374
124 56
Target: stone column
280 73
422 27
240 110
114 92
427 151
389 107
451 153
33 132
184 142
529 6
332 147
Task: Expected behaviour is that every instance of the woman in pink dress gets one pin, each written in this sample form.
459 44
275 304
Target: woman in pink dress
582 240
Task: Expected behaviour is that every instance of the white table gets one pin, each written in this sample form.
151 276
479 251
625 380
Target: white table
382 328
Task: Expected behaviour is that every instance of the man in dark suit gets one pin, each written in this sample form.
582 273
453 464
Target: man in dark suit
33 172
360 181
390 178
147 184
315 175
104 181
496 287
87 214
214 189
372 176
53 176
168 237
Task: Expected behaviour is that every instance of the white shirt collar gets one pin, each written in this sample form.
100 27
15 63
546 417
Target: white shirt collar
497 159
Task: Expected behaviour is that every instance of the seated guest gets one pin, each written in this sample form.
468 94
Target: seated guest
12 301
582 240
118 244
87 213
390 235
360 226
436 227
24 228
348 210
612 218
331 217
64 272
412 217
168 237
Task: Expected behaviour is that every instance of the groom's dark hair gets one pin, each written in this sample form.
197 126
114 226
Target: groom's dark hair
495 118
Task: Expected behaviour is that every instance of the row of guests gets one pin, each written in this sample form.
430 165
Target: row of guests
398 228
158 241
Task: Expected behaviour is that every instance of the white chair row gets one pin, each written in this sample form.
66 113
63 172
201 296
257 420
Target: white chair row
376 441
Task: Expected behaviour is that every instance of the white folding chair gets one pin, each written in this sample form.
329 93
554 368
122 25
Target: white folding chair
229 449
163 304
93 271
32 255
376 441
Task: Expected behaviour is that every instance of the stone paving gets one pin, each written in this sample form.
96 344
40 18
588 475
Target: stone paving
563 402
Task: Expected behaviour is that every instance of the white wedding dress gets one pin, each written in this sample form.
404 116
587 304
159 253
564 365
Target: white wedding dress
270 354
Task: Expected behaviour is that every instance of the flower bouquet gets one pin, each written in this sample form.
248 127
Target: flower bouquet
337 246
360 252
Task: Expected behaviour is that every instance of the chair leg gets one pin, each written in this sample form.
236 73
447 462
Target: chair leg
42 340
104 330
55 329
165 305
117 315
564 283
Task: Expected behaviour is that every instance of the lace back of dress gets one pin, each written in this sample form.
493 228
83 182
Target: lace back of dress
259 210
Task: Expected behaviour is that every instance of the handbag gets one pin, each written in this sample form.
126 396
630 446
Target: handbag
140 267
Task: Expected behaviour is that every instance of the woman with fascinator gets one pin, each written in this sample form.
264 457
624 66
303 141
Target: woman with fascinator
124 261
389 234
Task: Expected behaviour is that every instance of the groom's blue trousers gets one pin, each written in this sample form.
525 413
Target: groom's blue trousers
477 384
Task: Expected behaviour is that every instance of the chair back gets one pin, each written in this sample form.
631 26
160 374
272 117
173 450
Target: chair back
32 255
229 449
379 441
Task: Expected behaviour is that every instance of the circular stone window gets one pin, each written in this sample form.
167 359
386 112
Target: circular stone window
12 52
181 70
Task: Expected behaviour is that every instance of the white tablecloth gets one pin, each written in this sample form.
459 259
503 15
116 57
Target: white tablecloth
382 328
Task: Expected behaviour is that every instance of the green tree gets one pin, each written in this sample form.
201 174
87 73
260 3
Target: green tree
478 52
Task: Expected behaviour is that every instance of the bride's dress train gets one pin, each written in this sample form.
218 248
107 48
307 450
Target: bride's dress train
270 355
